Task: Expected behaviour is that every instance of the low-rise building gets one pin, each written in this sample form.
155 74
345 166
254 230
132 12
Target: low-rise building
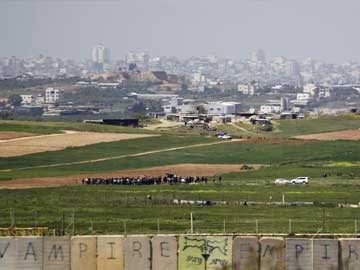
53 95
246 89
27 99
310 89
270 108
222 108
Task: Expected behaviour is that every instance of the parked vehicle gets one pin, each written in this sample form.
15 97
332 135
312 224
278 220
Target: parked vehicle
300 180
223 135
282 181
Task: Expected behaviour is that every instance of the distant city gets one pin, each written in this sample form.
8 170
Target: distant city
176 89
207 70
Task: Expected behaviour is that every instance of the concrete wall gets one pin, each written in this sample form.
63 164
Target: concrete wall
185 252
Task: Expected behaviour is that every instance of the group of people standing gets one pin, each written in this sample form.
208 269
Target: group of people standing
171 179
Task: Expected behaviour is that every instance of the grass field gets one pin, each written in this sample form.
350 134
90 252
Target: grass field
105 209
232 153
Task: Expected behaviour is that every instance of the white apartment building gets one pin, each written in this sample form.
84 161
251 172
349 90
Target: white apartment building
310 89
303 96
222 108
246 89
52 95
27 99
271 108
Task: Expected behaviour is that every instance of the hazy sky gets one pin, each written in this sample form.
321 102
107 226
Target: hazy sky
322 29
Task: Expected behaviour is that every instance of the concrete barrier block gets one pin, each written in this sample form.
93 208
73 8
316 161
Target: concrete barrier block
29 253
57 253
350 254
299 254
137 253
164 252
83 253
8 253
197 251
246 252
272 256
110 253
325 254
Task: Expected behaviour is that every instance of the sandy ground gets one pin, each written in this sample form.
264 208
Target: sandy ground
55 142
353 134
9 135
179 169
164 124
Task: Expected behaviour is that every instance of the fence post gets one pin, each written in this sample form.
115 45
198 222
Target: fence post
283 199
13 218
191 224
73 222
224 226
256 226
124 227
290 227
356 227
63 224
35 216
158 226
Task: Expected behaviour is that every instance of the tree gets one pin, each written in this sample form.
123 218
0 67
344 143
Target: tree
15 100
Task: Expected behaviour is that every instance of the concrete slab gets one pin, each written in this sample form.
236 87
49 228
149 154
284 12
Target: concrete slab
110 253
246 253
298 254
325 254
8 253
137 253
29 253
350 253
272 256
57 253
164 253
83 253
196 251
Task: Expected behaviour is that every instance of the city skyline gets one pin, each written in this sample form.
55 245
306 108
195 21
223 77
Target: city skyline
325 30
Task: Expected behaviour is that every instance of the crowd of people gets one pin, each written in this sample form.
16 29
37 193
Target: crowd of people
170 179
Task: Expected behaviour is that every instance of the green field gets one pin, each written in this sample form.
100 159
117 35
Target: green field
107 209
291 128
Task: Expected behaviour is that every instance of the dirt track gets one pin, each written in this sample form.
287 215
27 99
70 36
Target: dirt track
353 135
9 135
126 156
55 142
179 169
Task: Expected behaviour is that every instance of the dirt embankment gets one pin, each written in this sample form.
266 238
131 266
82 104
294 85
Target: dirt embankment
353 135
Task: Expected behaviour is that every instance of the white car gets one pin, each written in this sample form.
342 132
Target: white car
300 180
282 181
225 137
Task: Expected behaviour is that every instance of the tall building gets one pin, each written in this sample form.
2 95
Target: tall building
140 59
100 56
258 56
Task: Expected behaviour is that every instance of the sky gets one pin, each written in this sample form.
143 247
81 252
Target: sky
297 29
